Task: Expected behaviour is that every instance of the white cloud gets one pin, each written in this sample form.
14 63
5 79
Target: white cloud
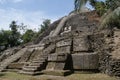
13 1
32 19
16 1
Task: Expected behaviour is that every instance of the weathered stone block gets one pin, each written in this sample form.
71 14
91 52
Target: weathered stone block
37 47
85 61
66 42
59 66
56 61
93 61
57 72
52 57
55 66
61 57
81 44
50 66
65 49
15 66
57 57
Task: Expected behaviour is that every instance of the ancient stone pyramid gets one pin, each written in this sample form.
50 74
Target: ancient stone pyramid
72 43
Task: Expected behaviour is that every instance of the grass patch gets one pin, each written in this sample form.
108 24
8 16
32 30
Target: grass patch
16 76
96 76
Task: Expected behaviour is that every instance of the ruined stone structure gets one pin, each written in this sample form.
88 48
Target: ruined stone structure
72 43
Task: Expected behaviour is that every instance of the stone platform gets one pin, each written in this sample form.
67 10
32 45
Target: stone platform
57 72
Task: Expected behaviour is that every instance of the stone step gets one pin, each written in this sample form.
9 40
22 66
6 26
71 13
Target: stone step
38 61
57 72
30 73
36 64
42 55
29 69
12 58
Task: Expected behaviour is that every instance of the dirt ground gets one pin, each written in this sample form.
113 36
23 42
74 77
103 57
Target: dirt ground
94 76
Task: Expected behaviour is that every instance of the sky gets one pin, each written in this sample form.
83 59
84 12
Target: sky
33 12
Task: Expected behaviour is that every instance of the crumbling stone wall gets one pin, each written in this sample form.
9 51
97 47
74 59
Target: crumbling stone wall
85 22
107 46
84 57
57 60
9 52
114 60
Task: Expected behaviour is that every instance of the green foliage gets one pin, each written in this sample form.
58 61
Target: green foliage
112 17
5 38
28 36
15 35
79 3
44 25
111 20
100 7
22 28
112 4
108 9
93 2
10 38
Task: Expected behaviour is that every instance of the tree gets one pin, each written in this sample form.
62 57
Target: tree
44 25
100 7
111 8
15 35
28 36
112 17
79 3
22 28
112 4
4 39
111 20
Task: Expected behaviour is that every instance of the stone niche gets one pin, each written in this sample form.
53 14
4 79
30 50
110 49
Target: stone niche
81 44
56 61
88 61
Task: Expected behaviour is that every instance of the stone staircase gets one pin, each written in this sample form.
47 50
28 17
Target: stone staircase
26 56
11 59
34 67
38 63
